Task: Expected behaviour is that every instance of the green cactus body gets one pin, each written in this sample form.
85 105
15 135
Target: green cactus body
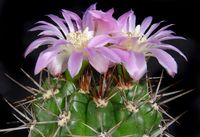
71 113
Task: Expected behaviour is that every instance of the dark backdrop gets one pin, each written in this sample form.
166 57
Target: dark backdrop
17 16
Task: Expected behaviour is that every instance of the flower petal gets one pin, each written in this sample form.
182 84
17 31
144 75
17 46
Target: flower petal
47 33
172 37
131 22
110 12
124 55
69 22
46 57
39 42
60 42
75 63
73 16
163 34
60 23
162 29
100 41
87 18
99 62
145 24
136 65
58 64
170 47
152 28
127 21
50 27
109 54
166 60
53 58
42 27
104 23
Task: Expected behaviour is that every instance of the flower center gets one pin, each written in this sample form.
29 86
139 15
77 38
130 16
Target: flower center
137 34
134 45
136 41
79 39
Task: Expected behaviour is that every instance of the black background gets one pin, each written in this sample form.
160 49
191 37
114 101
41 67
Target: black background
17 16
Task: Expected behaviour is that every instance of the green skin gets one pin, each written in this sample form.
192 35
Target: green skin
86 119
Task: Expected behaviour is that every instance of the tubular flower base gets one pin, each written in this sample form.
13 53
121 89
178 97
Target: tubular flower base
92 86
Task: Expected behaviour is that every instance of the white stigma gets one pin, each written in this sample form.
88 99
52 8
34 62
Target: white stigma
137 34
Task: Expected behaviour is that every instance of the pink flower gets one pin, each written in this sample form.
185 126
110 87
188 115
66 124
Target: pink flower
103 41
71 40
143 41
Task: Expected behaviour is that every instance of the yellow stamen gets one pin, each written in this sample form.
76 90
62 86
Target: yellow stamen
79 39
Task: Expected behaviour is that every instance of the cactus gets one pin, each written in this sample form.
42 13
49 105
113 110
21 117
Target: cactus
60 108
102 91
80 114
